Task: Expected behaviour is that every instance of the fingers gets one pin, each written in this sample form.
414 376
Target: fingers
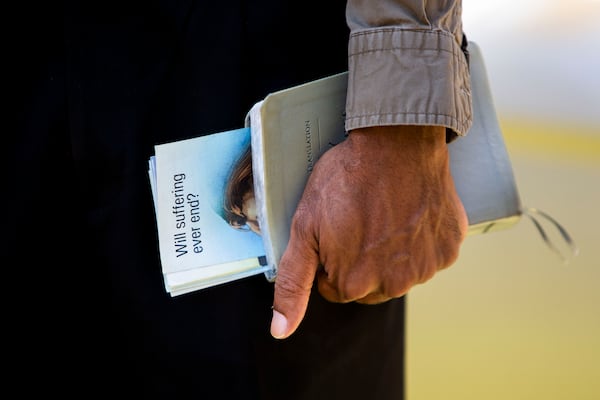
374 298
295 276
367 282
347 286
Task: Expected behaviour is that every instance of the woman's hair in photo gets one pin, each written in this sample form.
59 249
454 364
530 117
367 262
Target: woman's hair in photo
239 185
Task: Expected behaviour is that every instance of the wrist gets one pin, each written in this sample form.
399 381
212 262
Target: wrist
404 143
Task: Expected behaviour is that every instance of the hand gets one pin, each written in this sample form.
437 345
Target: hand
379 214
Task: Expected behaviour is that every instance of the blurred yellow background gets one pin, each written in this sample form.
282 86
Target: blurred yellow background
509 320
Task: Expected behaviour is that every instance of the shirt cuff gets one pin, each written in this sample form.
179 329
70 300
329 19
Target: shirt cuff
407 77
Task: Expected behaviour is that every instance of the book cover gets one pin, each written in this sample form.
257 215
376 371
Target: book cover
291 129
200 245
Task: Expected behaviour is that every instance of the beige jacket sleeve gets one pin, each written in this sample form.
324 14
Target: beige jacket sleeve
406 65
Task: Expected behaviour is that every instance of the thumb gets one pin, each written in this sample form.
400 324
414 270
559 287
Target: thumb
295 277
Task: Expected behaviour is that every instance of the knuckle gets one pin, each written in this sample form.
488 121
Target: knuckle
448 254
352 290
451 256
360 282
338 288
398 285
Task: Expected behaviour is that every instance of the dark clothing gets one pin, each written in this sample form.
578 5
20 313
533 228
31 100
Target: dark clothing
99 86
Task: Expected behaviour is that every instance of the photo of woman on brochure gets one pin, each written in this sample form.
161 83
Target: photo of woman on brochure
239 201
